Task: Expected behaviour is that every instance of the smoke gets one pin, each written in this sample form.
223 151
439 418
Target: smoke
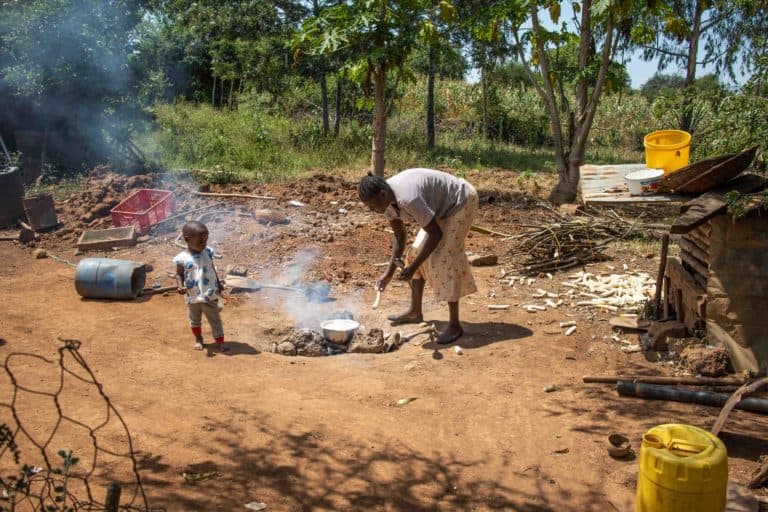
67 62
297 271
301 310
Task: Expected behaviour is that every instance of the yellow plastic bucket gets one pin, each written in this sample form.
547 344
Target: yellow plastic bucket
682 469
667 149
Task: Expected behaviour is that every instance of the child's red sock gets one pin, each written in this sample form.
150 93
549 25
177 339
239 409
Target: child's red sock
197 331
219 340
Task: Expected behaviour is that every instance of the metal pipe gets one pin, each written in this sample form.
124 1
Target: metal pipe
675 394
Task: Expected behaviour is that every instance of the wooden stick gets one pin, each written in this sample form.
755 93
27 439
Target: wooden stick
112 502
745 390
246 196
660 379
152 291
662 270
759 477
486 231
184 214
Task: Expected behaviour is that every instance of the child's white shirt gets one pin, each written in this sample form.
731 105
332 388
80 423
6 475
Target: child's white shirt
199 276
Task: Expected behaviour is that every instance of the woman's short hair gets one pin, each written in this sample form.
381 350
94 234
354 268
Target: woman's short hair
371 186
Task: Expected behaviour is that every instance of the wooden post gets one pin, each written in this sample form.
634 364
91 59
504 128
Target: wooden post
112 502
662 269
666 298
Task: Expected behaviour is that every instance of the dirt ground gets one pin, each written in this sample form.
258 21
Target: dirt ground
325 433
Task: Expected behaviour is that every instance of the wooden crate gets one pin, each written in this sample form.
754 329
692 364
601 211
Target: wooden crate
107 238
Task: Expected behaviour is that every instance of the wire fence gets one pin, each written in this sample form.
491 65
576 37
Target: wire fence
52 478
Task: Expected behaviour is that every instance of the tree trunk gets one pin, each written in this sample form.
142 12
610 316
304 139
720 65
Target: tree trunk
337 116
213 93
431 99
379 119
570 158
568 184
324 103
484 93
690 72
231 93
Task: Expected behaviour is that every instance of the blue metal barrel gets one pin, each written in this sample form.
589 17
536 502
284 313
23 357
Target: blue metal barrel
105 278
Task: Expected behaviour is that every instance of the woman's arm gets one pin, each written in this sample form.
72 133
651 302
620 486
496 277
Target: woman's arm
434 235
398 246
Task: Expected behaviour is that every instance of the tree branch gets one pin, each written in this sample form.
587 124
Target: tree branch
665 52
589 115
551 101
527 67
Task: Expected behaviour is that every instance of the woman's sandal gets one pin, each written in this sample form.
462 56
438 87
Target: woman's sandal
402 319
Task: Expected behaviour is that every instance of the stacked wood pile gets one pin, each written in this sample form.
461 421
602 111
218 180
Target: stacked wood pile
694 253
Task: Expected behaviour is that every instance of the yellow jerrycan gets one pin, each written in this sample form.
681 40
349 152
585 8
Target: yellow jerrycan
682 469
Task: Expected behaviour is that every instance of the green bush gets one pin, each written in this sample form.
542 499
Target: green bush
740 121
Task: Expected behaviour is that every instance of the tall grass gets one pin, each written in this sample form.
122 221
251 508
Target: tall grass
264 141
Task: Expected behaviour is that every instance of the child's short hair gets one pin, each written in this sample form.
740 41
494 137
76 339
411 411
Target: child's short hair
192 228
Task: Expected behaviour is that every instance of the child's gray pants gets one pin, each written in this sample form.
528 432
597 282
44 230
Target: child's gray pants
211 311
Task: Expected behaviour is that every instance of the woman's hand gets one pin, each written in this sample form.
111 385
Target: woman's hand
384 280
406 274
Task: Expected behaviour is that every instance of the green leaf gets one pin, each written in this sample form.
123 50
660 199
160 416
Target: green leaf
554 11
600 7
447 11
428 32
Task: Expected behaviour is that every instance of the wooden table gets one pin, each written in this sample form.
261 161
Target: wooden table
604 185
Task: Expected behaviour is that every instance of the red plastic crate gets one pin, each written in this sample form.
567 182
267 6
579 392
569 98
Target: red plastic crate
143 209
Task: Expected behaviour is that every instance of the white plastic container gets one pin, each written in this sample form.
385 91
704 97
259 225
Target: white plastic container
643 182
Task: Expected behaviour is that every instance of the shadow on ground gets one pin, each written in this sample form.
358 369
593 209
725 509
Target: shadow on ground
306 473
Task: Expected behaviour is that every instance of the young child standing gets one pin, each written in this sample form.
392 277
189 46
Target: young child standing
197 280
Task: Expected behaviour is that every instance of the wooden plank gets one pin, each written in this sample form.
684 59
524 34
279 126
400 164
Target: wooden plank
701 257
598 182
700 240
101 239
697 212
694 264
625 198
688 295
705 230
745 184
701 280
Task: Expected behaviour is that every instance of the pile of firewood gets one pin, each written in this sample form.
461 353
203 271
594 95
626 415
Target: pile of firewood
562 242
